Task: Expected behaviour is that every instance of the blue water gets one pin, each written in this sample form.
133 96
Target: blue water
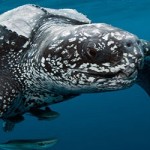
106 121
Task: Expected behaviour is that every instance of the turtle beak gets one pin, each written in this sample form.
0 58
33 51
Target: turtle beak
140 64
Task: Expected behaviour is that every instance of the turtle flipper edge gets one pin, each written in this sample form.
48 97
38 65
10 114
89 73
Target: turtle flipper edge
143 78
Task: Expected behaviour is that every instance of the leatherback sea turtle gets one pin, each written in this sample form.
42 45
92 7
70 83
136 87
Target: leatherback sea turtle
48 56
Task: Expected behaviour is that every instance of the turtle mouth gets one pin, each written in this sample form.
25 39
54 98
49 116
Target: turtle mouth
118 75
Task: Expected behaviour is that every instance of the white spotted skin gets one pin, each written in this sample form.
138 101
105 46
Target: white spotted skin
66 72
66 68
63 59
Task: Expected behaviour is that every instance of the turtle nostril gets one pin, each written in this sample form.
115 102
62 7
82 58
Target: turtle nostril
129 44
138 42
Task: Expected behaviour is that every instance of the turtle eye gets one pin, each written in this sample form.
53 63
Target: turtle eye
91 52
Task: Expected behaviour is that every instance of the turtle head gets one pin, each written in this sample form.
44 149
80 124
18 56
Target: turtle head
92 58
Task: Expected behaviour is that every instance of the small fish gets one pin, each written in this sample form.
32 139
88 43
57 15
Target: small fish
28 144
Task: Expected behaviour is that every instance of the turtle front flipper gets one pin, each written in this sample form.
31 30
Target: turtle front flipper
9 123
143 78
44 114
10 96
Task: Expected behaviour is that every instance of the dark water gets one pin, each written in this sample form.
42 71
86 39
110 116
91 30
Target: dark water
107 121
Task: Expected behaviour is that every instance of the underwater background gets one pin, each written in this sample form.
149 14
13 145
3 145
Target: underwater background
117 120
